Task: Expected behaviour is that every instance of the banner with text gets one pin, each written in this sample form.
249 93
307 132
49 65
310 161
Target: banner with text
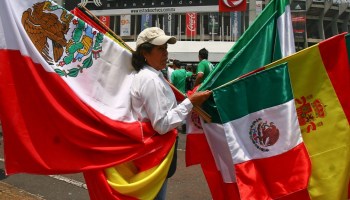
169 24
146 21
213 25
236 23
125 21
191 24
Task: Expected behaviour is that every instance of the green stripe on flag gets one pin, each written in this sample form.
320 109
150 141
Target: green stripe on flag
258 46
347 39
258 91
282 8
254 49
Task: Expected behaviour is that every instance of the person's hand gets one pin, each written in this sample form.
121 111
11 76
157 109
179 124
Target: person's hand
198 98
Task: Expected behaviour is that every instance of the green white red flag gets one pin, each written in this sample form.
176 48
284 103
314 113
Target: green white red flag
269 38
261 125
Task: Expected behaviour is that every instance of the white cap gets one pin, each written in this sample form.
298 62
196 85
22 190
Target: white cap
155 36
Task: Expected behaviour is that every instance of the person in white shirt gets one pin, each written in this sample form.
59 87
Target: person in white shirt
151 96
170 70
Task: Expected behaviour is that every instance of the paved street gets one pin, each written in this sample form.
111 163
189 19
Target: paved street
187 183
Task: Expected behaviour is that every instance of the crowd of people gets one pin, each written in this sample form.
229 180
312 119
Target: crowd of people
188 76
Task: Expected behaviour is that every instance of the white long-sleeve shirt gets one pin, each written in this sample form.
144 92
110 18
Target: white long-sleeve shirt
153 100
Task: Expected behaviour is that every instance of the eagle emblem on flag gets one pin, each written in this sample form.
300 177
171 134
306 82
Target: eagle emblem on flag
196 120
61 38
263 134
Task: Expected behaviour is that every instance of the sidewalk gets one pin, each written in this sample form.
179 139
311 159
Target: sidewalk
9 192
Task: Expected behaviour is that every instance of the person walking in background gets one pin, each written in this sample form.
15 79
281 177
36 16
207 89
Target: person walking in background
178 77
204 66
152 99
170 69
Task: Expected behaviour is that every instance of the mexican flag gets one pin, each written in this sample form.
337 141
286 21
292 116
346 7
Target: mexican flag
261 125
322 104
65 104
268 39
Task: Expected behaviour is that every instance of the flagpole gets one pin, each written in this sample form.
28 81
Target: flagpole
244 75
104 26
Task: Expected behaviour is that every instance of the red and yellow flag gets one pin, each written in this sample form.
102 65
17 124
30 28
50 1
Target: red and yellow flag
320 77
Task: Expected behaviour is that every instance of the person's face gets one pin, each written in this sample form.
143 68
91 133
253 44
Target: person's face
158 57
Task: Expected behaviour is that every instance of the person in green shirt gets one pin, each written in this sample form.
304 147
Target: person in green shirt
178 77
204 66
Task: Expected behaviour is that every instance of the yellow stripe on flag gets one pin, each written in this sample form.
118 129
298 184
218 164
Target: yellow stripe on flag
324 126
125 179
116 40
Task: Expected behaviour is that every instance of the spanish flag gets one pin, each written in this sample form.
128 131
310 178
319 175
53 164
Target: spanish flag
320 77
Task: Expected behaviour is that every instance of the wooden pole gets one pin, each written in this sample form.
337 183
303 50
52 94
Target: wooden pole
97 20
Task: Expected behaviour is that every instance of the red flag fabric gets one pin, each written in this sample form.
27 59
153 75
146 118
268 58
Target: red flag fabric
58 119
66 129
337 68
202 155
198 152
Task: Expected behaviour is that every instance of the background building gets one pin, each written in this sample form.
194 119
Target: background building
197 23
